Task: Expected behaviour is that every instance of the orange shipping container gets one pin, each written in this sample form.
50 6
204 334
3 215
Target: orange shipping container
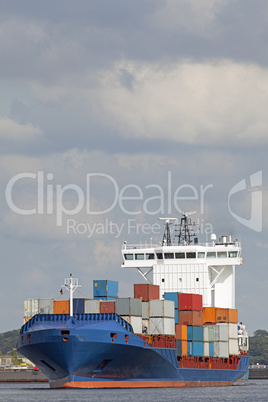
190 317
226 315
233 316
221 314
181 332
61 307
184 348
209 315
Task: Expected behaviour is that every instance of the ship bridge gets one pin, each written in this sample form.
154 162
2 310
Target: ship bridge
207 269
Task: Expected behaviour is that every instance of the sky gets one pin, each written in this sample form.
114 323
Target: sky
115 113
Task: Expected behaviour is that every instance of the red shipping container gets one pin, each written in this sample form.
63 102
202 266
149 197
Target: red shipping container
146 292
190 301
189 317
107 307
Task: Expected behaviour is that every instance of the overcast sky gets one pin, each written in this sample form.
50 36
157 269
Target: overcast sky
169 98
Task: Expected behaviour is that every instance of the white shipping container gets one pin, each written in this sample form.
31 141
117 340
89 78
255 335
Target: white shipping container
221 332
135 321
161 326
145 310
92 306
206 349
162 308
31 307
233 331
208 333
46 306
233 347
221 349
145 326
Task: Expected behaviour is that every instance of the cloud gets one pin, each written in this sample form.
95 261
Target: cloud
12 130
211 103
192 16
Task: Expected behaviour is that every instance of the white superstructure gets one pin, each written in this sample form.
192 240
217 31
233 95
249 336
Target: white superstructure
186 266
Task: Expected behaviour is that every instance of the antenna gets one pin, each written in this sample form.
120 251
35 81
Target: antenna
185 230
167 236
71 284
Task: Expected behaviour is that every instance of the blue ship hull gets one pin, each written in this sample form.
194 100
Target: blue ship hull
101 351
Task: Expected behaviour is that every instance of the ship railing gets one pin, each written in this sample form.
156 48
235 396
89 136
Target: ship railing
64 318
139 246
159 245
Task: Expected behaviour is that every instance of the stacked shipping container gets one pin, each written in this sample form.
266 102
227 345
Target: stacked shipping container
161 317
198 332
204 332
131 310
223 322
208 337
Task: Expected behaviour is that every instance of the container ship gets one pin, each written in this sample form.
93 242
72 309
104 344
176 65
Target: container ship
180 329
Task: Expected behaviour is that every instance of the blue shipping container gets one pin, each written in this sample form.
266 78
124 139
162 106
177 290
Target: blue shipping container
198 348
174 297
197 334
189 348
176 316
211 349
78 306
179 347
105 288
104 298
189 333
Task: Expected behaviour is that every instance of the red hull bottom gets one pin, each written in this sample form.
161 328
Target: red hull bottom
140 384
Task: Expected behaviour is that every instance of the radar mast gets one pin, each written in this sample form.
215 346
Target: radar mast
185 231
167 235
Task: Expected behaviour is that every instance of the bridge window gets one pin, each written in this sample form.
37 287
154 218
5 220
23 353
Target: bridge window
221 254
139 256
201 254
232 254
211 254
159 256
190 255
149 256
128 256
169 256
179 255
